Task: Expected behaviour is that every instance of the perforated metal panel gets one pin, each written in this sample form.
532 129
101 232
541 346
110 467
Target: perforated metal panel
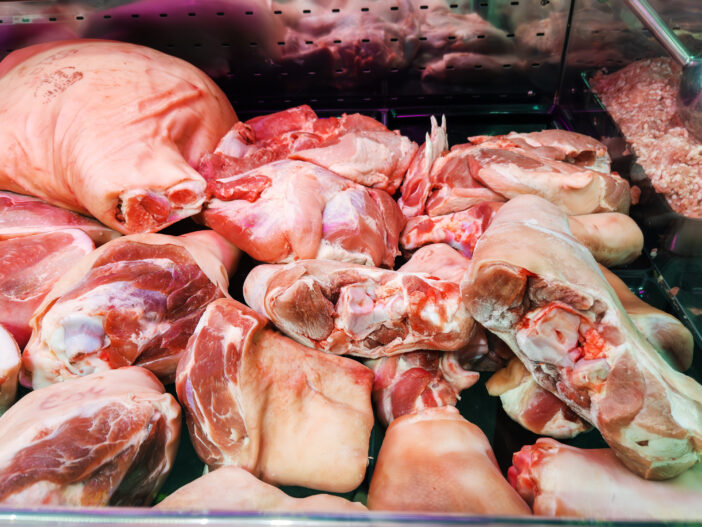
350 53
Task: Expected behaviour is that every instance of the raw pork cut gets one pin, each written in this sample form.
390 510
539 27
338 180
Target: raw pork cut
539 411
511 170
109 129
417 183
451 187
423 379
613 238
235 489
671 338
288 414
290 210
356 310
461 230
106 439
9 369
438 260
272 137
29 267
135 300
538 289
569 169
436 461
532 406
377 159
22 215
560 145
413 381
544 475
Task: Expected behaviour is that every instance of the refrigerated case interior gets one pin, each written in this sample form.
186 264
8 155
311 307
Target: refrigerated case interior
491 66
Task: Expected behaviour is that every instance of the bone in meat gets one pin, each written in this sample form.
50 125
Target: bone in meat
29 268
536 287
109 129
106 439
288 414
290 210
9 369
436 461
544 475
135 300
357 310
24 215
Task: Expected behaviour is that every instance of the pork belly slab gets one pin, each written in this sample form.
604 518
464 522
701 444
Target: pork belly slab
106 439
436 461
357 310
538 289
235 489
24 215
544 475
135 300
29 268
291 210
9 369
109 129
288 414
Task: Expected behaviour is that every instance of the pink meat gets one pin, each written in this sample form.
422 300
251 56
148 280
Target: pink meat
22 215
604 489
461 230
135 300
268 138
453 188
146 119
357 310
417 184
377 159
106 439
412 381
292 210
238 382
9 369
29 268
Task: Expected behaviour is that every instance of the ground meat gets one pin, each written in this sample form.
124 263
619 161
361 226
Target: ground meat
641 99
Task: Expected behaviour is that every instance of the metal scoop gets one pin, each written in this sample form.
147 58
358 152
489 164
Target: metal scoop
690 94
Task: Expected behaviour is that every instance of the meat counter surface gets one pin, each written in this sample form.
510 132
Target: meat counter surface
277 388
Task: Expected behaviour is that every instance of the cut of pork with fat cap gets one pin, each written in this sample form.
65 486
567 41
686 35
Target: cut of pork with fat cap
106 439
538 289
256 399
291 210
29 268
134 300
357 310
111 129
604 489
541 412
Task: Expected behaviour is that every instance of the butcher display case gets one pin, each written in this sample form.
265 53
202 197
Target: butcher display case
489 66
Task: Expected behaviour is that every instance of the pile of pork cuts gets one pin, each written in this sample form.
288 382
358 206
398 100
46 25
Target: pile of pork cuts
106 143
